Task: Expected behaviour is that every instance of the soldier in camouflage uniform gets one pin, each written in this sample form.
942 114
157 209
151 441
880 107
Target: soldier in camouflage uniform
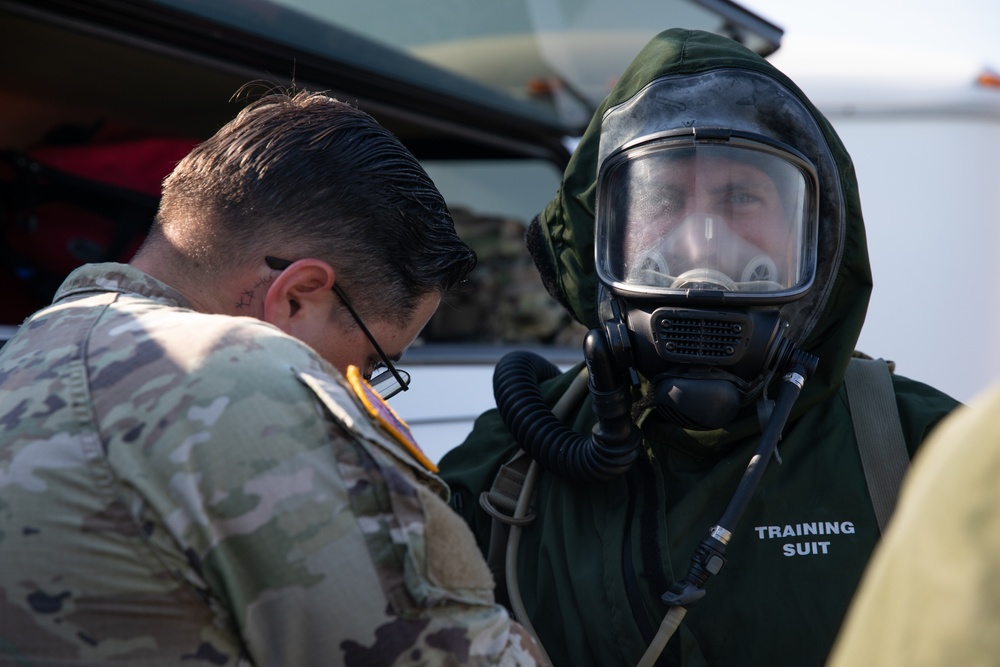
192 467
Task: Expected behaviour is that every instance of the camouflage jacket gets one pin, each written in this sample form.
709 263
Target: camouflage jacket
178 486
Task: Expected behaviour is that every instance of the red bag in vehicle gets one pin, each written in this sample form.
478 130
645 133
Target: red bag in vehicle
66 205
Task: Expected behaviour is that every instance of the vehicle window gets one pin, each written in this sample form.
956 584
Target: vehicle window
504 301
487 94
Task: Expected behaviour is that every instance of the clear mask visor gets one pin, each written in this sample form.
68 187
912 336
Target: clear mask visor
713 217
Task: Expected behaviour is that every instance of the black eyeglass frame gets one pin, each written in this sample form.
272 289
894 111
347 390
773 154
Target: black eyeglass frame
402 378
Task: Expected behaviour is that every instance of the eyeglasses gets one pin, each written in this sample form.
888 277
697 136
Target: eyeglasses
389 382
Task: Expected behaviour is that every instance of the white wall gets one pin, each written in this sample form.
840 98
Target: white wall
925 140
930 192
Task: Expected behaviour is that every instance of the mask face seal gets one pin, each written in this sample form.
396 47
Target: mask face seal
701 237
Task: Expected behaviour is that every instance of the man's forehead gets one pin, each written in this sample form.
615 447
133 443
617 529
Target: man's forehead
712 159
712 167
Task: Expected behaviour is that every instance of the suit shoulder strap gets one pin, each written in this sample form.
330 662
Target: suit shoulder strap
879 432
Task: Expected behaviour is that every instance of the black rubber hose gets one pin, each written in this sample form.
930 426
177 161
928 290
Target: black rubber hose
800 367
602 456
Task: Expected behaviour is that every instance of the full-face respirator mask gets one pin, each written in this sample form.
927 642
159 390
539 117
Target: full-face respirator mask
701 235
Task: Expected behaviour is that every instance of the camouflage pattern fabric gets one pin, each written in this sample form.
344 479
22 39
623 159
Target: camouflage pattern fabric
503 300
183 487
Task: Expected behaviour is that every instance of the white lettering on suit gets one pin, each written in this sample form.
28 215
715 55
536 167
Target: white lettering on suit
818 530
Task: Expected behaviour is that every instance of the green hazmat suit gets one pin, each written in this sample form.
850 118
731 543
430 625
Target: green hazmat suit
598 557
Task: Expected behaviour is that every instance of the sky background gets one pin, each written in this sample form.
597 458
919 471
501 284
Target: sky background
971 26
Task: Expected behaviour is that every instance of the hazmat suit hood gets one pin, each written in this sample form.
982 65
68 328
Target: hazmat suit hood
705 80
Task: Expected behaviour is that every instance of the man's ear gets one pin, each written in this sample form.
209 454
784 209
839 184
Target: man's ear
298 294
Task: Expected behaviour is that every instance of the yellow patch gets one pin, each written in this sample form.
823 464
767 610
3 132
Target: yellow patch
386 416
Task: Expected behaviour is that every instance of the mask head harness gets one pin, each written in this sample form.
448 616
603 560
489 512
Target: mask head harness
702 234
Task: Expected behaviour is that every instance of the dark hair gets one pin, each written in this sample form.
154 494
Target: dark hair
304 175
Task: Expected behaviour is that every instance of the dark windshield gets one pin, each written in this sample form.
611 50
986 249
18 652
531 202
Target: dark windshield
559 56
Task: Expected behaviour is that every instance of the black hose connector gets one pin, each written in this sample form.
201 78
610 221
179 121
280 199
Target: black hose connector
614 444
710 557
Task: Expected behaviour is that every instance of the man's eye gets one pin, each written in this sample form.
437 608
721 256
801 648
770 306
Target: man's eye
741 198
